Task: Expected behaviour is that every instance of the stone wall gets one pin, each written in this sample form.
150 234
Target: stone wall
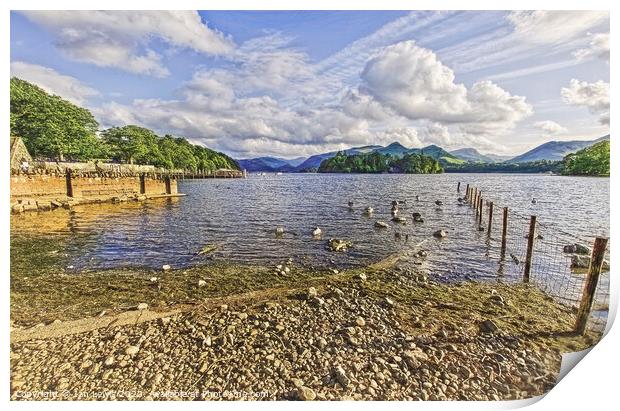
52 186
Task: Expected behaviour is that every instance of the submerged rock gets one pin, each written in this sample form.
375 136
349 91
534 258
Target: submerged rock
337 244
279 231
381 224
400 220
439 234
317 232
209 248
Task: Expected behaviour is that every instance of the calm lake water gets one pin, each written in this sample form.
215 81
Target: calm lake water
240 217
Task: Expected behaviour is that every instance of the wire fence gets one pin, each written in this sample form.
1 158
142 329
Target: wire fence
573 270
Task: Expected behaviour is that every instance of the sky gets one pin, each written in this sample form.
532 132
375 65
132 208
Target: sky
298 83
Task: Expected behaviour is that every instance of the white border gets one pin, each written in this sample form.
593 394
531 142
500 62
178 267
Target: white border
591 385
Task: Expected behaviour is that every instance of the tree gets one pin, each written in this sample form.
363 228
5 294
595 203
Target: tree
51 126
590 161
133 144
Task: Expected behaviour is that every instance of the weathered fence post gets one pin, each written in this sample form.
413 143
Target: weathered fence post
530 249
467 192
596 263
480 211
490 217
142 183
458 187
504 230
69 180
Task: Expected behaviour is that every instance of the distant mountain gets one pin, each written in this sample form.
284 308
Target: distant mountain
395 149
554 150
262 163
313 162
438 153
473 155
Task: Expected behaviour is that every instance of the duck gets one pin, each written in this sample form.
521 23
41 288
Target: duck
533 201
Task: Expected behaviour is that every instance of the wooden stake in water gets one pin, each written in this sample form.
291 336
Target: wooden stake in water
480 212
530 249
504 230
490 217
458 187
594 272
467 192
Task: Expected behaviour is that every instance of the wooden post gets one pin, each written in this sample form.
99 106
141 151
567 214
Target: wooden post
504 230
142 183
530 249
596 263
69 182
458 187
480 212
490 217
467 192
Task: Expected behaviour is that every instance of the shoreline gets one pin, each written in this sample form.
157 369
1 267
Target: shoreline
377 332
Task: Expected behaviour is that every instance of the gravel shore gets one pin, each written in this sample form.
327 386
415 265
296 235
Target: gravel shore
341 340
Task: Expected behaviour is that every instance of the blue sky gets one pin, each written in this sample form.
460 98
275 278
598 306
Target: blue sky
291 84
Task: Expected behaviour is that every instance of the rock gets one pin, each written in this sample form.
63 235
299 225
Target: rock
306 394
400 220
570 249
143 306
480 228
369 210
381 224
311 293
439 234
341 376
132 350
297 382
577 249
417 217
496 298
488 327
202 283
109 360
279 231
361 277
336 244
317 232
242 316
270 357
582 249
166 267
153 279
439 202
422 254
360 321
209 248
388 301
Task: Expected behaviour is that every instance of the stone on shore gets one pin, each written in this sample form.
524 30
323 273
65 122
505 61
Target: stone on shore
439 234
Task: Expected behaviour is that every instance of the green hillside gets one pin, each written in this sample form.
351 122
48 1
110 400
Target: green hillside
590 161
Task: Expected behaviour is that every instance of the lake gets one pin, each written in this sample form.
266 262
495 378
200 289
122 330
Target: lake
240 217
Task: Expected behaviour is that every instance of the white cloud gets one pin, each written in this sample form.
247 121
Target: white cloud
548 26
53 82
121 39
550 127
598 47
436 133
407 136
594 96
425 89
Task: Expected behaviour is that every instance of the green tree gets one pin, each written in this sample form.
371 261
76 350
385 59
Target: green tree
133 144
51 126
590 161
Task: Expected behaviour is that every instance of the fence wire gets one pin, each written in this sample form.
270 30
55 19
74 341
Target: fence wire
559 259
